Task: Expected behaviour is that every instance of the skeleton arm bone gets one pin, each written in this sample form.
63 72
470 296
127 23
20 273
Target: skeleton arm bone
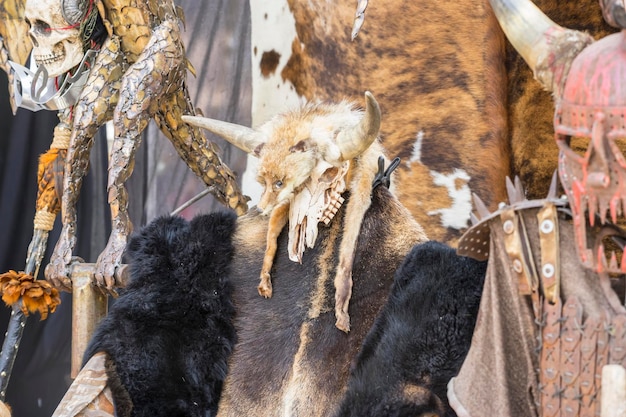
144 84
92 110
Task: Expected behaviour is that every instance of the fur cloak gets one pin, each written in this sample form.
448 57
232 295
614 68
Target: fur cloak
169 334
420 338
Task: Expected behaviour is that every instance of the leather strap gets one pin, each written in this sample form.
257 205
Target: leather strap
617 343
588 388
571 335
549 377
602 356
549 242
518 249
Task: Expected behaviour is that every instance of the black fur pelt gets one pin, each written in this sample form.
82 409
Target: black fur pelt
420 338
170 333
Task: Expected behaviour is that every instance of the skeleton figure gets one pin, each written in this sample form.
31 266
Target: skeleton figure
128 60
55 30
308 158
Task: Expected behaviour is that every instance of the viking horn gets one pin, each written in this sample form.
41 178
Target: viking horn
354 141
243 137
547 48
528 29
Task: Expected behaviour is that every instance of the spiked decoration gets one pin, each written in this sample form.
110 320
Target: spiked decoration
475 241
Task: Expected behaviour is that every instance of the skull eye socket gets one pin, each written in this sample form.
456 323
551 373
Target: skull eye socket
39 27
579 144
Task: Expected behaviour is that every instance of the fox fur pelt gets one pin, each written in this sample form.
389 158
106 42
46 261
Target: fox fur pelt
170 333
420 338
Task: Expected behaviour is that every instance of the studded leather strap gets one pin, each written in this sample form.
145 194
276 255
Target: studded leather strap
602 357
549 270
571 335
588 388
617 343
550 363
518 250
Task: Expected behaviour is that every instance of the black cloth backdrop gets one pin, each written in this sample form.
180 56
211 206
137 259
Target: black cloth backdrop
217 39
41 373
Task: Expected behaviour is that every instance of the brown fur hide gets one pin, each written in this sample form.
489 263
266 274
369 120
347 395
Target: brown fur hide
290 358
433 69
443 72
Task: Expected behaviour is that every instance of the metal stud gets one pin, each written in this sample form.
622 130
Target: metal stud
508 227
547 226
548 270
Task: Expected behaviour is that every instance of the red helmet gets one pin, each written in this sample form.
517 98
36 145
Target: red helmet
593 105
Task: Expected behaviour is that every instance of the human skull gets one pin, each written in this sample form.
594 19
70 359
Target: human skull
57 42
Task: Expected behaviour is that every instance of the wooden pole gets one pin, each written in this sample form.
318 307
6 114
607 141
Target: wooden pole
89 306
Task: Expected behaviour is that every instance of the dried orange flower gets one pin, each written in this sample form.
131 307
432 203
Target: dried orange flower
36 295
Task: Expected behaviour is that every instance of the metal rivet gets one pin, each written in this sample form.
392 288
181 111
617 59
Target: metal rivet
517 266
547 226
548 270
508 227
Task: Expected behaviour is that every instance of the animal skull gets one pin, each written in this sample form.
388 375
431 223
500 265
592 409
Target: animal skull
317 202
57 43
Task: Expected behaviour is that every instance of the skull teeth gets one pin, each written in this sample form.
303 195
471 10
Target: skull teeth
593 208
48 59
615 209
611 210
604 208
601 259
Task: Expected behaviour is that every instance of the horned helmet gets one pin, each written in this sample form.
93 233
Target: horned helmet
587 81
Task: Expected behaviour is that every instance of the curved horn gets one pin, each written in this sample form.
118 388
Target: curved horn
354 141
547 48
528 29
244 138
